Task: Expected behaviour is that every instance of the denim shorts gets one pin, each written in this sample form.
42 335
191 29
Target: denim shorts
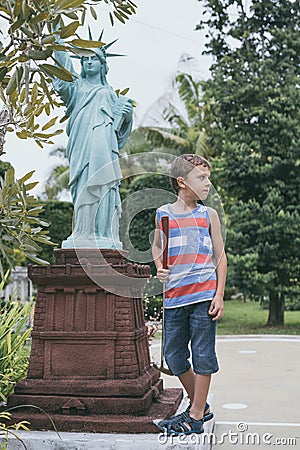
190 324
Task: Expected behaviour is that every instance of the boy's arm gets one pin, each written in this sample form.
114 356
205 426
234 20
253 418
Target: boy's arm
162 274
217 304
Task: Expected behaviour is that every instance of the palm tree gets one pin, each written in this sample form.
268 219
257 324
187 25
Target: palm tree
57 182
175 121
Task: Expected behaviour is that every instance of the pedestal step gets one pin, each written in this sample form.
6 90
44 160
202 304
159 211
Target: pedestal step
163 408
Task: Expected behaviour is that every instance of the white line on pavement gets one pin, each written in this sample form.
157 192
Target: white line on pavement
269 424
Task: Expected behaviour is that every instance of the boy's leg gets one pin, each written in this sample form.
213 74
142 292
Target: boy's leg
187 380
197 387
203 333
176 338
201 388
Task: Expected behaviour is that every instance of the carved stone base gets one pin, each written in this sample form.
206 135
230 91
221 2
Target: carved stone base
90 366
71 420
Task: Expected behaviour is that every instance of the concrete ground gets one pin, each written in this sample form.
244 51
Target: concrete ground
255 398
256 392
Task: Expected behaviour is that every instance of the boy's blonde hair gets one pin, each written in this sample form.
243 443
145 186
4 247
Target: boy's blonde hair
183 165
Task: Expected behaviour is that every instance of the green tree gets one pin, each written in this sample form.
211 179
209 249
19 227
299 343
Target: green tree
4 166
59 215
30 32
252 115
136 229
58 179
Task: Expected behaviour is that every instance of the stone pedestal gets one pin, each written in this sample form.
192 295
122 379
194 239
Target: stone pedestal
90 367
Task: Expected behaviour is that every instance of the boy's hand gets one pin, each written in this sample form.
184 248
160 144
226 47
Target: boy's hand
216 307
163 274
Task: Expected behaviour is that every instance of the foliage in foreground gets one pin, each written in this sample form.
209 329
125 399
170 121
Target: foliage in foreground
6 429
20 225
14 333
30 32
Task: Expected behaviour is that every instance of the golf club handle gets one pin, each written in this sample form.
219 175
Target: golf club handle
165 229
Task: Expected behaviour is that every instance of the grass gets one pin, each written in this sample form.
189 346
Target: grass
250 318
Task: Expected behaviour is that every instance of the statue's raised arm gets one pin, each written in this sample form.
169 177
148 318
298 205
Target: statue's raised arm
99 124
65 88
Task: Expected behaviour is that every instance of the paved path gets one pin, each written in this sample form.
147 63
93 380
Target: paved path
257 390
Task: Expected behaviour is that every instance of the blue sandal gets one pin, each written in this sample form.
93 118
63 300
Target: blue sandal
209 415
206 417
181 425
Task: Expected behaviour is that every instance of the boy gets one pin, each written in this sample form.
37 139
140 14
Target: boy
194 290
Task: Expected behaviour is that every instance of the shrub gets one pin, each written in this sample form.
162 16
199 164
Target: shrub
6 430
14 333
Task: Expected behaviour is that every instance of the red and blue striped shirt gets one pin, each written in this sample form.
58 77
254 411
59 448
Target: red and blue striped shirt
193 273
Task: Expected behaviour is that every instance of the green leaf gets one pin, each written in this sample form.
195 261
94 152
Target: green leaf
34 93
10 176
83 17
45 89
25 9
23 95
40 54
30 186
12 85
69 30
70 15
37 141
27 32
57 72
124 92
23 134
63 119
17 7
3 72
49 124
26 177
111 18
48 39
93 12
67 4
30 123
86 43
119 17
59 47
39 18
47 109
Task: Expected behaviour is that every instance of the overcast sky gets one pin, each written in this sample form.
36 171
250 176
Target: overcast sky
153 41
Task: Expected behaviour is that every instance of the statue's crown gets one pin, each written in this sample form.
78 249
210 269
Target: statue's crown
99 51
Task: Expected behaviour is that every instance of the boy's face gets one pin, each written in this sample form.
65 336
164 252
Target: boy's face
197 183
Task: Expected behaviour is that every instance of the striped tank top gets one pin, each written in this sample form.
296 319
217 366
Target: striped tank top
192 276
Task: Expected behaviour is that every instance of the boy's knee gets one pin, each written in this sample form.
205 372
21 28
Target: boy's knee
205 365
176 365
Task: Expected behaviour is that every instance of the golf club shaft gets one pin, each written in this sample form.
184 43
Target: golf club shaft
165 229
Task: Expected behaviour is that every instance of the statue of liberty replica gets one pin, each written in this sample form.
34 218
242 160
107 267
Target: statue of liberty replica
100 122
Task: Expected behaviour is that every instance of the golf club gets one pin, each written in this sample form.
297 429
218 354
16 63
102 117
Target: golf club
165 229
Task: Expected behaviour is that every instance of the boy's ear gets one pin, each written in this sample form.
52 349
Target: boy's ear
180 182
